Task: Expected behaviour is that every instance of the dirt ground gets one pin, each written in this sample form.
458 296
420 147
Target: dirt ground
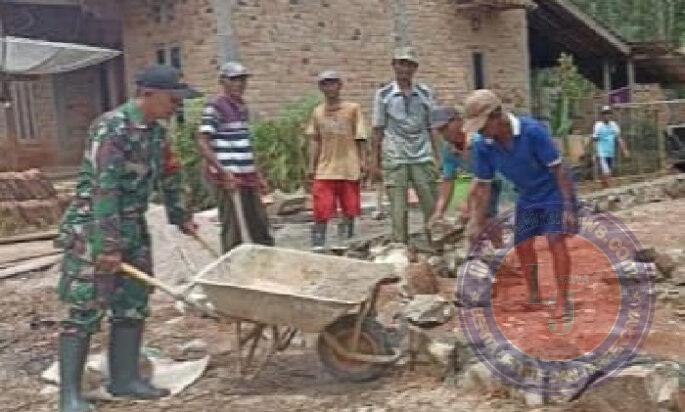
295 381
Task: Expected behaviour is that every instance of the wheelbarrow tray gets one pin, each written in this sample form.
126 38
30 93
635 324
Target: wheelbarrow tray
278 286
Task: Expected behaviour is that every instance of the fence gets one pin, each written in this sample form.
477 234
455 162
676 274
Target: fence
643 128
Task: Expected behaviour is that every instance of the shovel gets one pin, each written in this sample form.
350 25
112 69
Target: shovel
244 234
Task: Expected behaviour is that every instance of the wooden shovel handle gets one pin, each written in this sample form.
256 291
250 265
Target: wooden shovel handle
240 214
138 274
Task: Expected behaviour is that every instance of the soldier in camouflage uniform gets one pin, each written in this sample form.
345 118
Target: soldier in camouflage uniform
127 155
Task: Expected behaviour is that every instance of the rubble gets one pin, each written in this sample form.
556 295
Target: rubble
287 203
447 351
638 388
428 310
621 198
421 279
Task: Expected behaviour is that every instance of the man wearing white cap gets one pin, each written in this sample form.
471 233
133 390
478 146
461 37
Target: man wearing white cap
338 160
522 150
605 134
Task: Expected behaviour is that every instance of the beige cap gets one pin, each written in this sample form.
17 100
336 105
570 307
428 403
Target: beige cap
477 108
405 53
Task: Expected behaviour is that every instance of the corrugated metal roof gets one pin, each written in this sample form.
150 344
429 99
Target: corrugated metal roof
36 57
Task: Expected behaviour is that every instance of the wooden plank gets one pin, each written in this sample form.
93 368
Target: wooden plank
30 266
12 253
29 237
47 2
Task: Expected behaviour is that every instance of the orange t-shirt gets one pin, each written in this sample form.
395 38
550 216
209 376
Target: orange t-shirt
339 129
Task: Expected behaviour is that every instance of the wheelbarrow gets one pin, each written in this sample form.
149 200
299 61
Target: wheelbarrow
284 290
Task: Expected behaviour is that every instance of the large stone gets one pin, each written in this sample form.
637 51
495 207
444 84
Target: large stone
287 203
393 253
440 266
428 310
421 279
646 255
479 379
639 388
678 276
665 264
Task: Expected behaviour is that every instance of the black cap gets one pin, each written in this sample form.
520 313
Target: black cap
165 78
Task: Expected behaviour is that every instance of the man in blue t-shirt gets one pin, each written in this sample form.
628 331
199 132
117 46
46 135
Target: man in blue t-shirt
521 149
605 134
447 122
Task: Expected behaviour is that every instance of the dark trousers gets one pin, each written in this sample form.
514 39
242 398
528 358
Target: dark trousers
255 217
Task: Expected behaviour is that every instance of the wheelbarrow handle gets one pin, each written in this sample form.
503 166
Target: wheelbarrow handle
138 274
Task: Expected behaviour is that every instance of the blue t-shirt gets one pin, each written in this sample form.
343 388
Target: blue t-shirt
526 164
452 162
605 135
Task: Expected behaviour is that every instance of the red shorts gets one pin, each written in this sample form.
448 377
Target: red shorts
328 193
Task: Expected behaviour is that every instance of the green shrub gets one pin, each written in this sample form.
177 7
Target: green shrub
280 146
197 192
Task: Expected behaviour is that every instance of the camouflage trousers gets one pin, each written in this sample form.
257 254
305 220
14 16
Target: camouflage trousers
77 282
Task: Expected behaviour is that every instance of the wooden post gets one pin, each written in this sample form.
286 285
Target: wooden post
12 157
630 67
606 71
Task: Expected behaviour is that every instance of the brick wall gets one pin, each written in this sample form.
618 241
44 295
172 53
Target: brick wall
287 42
81 101
189 24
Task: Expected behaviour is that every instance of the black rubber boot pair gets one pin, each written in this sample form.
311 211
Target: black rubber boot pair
73 351
124 369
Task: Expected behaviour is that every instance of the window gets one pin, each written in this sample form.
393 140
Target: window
161 56
169 54
478 71
162 11
23 105
175 57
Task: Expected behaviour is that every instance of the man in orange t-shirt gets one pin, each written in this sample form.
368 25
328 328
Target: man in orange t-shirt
337 160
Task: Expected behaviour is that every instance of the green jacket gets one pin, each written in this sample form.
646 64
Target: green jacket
124 160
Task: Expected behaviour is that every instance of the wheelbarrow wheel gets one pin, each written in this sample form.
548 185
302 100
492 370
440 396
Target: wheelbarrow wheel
373 340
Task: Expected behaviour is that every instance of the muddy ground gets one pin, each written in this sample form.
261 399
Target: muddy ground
295 381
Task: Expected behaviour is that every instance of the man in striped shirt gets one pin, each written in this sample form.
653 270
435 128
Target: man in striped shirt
226 144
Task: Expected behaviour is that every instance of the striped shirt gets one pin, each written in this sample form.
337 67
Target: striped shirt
226 121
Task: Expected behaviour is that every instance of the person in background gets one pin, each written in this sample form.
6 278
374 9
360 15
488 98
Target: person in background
606 133
338 160
404 146
225 142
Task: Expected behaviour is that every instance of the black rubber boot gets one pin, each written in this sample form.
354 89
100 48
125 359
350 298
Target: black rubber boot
319 237
73 350
124 354
346 228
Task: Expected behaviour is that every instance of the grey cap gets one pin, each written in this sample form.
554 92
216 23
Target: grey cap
167 78
328 75
233 69
442 115
606 109
405 53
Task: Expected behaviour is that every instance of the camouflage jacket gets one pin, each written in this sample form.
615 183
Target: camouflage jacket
124 160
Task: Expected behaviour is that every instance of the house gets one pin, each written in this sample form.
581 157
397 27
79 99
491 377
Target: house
462 45
44 118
